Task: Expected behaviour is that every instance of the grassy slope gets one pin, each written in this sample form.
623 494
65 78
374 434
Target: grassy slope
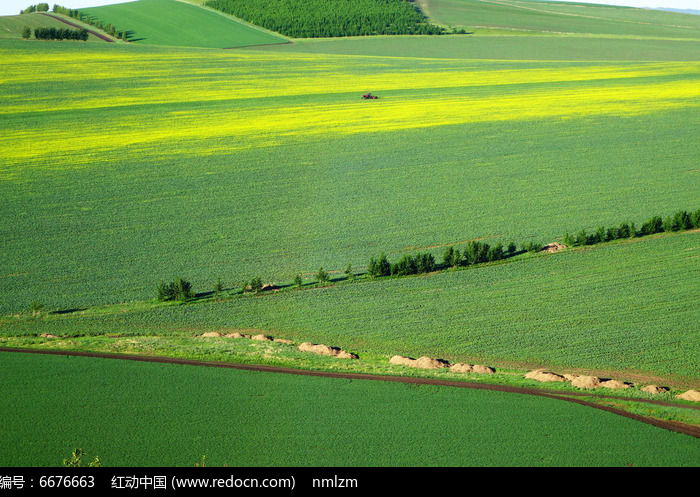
543 17
11 27
543 31
175 414
169 22
622 309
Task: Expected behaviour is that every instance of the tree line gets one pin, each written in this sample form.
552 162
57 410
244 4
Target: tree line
680 221
321 18
59 34
474 252
42 7
93 21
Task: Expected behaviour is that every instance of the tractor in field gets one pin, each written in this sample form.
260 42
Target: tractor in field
369 96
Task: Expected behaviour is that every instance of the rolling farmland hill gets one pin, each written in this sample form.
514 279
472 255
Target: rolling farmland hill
11 27
176 23
556 18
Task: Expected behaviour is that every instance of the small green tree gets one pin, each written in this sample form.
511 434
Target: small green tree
36 308
298 281
256 284
218 288
27 32
322 277
348 272
183 290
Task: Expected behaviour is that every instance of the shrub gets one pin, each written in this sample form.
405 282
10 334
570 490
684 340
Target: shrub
695 219
166 291
176 290
532 246
495 253
322 277
405 266
379 267
36 307
27 32
425 262
256 284
653 225
298 280
476 253
218 288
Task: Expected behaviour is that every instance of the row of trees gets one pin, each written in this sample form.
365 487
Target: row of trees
42 7
681 220
58 34
93 21
321 18
474 252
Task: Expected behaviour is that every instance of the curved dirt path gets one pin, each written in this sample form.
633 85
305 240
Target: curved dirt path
575 397
94 33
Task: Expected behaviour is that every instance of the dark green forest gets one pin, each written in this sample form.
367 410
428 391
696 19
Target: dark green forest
324 18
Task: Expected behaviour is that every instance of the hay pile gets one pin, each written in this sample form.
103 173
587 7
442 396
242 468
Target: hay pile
421 362
653 389
544 376
586 382
614 384
322 349
553 247
692 395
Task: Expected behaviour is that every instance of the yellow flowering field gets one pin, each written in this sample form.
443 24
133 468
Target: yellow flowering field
96 105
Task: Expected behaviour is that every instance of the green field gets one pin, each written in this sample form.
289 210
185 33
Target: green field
138 414
11 27
623 309
562 18
508 47
176 23
208 164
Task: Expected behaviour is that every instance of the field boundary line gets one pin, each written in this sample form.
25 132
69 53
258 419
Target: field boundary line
94 33
691 430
